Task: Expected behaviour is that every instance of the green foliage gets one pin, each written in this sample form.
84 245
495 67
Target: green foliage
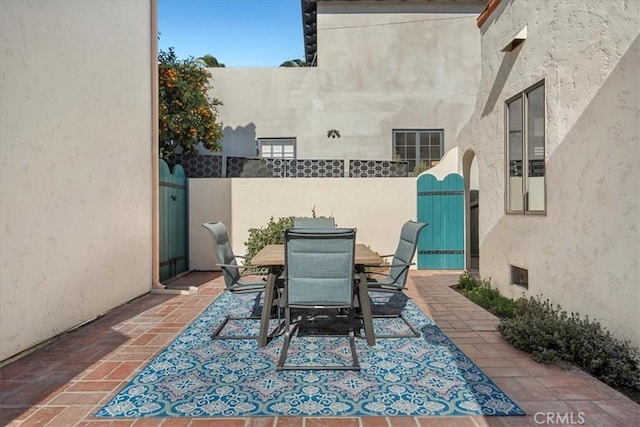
187 115
467 282
271 234
481 292
294 63
210 61
314 214
492 300
419 168
552 335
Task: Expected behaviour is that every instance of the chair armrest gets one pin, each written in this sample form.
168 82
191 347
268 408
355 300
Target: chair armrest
258 269
392 265
230 266
399 265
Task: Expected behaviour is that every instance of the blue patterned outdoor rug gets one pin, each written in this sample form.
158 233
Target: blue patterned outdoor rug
196 376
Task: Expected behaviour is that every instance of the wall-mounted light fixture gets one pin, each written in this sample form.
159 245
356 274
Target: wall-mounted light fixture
333 133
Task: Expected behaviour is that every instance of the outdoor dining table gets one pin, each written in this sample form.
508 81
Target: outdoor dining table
272 256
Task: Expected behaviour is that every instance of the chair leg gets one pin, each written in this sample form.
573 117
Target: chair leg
414 332
216 334
352 338
287 339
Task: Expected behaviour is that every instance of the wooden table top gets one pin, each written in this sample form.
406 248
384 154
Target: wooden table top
274 255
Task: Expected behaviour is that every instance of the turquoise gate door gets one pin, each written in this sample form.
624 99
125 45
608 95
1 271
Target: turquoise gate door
173 221
441 205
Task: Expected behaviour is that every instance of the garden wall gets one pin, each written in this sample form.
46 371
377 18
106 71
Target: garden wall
376 207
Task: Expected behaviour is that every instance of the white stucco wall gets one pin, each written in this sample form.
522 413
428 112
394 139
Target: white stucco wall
584 253
209 201
376 207
382 65
75 144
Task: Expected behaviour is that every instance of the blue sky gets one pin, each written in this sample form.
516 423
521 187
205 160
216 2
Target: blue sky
239 33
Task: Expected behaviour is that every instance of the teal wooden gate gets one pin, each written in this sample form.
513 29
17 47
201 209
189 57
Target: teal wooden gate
441 205
173 221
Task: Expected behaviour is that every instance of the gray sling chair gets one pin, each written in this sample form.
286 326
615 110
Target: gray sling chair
395 279
319 274
316 222
233 279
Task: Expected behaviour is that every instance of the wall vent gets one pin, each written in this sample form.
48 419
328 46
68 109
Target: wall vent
520 276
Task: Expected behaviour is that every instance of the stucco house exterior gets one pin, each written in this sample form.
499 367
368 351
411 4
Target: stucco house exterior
559 93
396 80
388 81
77 186
560 84
538 102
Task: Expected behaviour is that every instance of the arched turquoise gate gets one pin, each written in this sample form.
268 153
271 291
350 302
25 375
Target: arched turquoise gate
173 221
441 205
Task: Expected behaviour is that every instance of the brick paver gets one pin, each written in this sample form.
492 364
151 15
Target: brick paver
65 382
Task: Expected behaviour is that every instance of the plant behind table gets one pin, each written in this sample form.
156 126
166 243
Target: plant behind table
271 234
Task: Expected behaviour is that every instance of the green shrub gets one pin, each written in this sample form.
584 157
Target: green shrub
492 300
467 282
481 292
271 234
541 341
419 168
549 334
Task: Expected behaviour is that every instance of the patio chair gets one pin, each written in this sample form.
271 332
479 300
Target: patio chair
234 280
319 268
395 279
317 222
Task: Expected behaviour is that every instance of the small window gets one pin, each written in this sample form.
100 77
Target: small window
520 277
419 146
277 148
525 152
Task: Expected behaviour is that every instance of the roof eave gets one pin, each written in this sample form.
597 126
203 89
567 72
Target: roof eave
484 15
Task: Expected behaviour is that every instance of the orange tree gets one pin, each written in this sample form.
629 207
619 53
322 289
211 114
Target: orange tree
188 115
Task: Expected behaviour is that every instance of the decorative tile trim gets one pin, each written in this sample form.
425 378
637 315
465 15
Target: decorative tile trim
197 166
377 169
316 169
201 166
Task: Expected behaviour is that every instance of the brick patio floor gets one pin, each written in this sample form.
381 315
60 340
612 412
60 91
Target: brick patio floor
66 381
